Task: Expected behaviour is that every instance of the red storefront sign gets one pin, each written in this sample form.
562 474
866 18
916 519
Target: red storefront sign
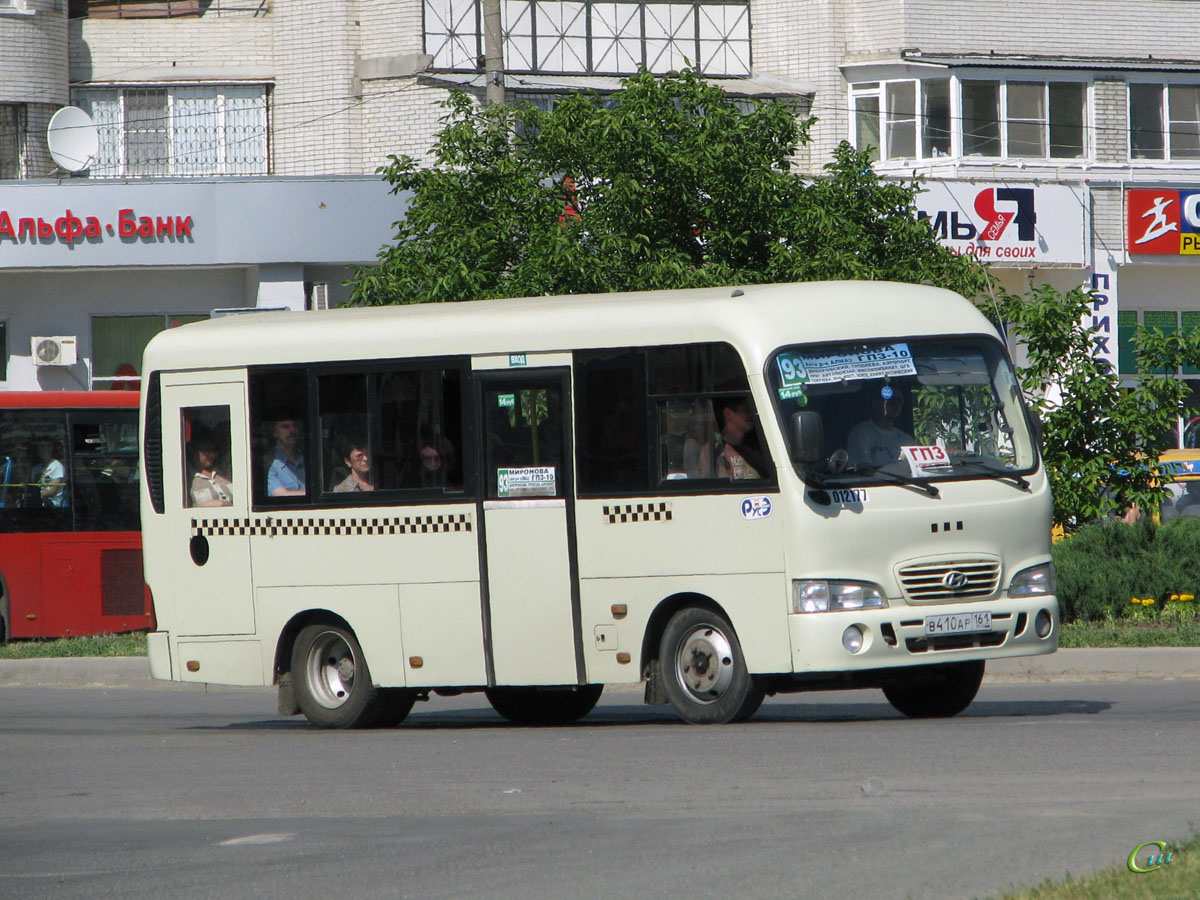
1162 221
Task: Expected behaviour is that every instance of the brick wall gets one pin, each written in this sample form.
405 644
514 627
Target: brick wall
1111 111
33 67
1163 28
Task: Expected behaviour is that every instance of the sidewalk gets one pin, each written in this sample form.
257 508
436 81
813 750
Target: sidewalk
1120 664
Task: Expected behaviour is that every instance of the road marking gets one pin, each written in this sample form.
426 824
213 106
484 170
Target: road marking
277 838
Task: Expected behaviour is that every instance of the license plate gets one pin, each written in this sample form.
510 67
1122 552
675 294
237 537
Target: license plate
958 623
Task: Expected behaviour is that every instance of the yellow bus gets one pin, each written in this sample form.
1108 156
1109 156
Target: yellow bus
719 494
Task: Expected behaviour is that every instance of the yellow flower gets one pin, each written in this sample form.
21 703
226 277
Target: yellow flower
1186 598
1149 601
1135 601
1174 597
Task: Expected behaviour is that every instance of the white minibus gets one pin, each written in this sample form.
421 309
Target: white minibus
720 494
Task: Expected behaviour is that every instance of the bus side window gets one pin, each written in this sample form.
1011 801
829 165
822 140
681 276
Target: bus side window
105 466
345 462
278 424
419 425
207 472
610 421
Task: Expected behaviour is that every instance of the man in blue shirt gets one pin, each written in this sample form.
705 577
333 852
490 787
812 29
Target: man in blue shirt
285 478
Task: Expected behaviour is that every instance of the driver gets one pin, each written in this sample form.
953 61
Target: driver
877 441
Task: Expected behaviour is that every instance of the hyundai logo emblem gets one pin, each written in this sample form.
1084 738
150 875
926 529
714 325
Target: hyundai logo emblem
955 580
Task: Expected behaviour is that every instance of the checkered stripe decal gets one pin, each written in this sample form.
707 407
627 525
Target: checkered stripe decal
293 526
638 512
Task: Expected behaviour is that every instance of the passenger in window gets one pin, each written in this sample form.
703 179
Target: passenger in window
50 476
286 477
209 487
358 461
437 459
877 441
739 456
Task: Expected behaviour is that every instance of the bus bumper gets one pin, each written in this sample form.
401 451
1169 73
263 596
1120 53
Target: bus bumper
158 648
896 636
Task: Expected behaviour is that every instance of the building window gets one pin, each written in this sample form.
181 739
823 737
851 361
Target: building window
900 129
1168 321
593 37
195 130
1016 119
1041 120
1164 121
118 343
12 131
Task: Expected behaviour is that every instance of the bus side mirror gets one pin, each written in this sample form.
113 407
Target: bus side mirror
808 437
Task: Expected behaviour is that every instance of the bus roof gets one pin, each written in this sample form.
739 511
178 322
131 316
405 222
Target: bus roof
756 318
68 399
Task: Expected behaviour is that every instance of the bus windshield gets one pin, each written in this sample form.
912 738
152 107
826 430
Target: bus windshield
928 409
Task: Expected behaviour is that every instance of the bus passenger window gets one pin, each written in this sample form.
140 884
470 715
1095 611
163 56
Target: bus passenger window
208 471
610 421
279 410
420 430
345 450
104 460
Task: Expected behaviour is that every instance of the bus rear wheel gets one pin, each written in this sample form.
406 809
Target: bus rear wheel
937 691
332 682
703 670
544 706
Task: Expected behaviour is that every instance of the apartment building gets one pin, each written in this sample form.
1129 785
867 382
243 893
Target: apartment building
1060 141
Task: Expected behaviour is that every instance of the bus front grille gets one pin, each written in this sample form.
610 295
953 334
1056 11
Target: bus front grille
954 579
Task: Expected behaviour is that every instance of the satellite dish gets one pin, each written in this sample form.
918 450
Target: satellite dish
73 139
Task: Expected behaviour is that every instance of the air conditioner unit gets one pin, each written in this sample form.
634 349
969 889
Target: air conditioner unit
53 351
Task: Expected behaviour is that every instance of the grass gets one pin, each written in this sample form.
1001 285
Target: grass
1177 880
100 645
1129 633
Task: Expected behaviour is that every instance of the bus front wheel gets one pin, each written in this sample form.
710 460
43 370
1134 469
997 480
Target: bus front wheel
936 692
331 679
703 670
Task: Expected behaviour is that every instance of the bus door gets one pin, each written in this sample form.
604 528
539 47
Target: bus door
532 585
206 483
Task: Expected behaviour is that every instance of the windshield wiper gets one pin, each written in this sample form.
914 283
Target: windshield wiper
1005 474
908 480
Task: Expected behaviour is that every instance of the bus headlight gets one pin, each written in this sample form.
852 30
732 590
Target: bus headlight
1036 581
836 596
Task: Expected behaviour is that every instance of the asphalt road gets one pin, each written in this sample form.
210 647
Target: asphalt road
155 793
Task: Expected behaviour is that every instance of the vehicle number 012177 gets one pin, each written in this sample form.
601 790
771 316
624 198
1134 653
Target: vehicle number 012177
958 623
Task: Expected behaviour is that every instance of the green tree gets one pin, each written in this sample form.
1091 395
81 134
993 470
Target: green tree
667 183
1100 441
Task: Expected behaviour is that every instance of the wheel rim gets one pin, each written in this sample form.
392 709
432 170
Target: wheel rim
704 664
330 668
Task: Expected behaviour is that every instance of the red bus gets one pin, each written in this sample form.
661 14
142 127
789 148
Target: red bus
70 540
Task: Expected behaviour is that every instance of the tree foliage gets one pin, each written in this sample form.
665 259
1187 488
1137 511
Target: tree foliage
667 183
1100 441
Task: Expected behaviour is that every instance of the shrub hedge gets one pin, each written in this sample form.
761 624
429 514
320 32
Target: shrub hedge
1101 567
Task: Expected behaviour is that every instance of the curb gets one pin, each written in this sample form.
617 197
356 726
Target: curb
1108 664
1076 665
